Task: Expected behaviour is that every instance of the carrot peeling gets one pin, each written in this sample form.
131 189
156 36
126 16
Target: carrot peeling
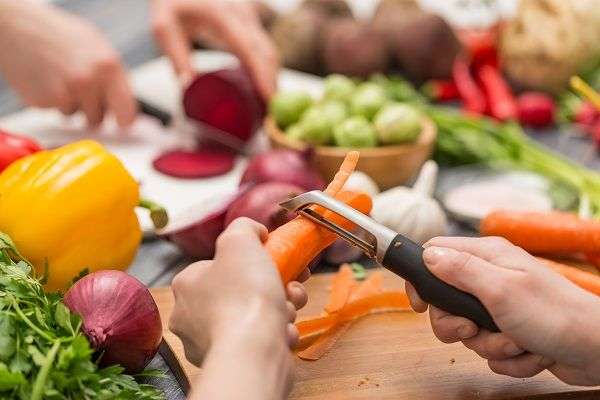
342 285
346 169
348 301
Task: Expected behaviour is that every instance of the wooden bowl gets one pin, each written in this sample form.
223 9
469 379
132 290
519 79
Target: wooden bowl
389 166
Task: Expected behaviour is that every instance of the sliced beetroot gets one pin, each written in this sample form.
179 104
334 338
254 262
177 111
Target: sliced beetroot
227 100
201 163
195 230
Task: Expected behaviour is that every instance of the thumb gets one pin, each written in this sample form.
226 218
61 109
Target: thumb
464 271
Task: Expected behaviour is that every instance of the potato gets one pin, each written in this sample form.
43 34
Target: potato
353 48
424 46
331 8
297 36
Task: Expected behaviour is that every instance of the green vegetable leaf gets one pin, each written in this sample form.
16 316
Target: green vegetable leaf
359 272
62 316
10 380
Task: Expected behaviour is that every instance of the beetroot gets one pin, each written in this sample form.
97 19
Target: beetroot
283 166
353 48
261 203
536 109
226 100
204 162
196 230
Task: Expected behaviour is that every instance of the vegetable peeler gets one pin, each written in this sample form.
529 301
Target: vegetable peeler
395 252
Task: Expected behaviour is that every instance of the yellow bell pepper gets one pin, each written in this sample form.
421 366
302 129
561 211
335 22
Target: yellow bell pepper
71 208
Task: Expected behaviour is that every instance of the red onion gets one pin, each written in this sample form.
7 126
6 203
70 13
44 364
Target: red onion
120 318
261 203
196 230
282 166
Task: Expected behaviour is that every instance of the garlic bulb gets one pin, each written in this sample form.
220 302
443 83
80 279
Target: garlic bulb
412 212
360 181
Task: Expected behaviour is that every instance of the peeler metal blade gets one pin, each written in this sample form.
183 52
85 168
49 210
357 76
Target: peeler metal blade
381 236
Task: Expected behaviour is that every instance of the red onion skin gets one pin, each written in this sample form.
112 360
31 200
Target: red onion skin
120 318
282 166
196 236
261 203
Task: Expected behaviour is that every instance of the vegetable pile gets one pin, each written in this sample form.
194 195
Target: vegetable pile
44 353
351 114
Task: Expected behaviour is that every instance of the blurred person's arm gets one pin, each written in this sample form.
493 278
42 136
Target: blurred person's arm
54 59
235 25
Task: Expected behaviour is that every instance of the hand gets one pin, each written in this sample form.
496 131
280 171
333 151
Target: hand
546 321
234 308
55 59
176 23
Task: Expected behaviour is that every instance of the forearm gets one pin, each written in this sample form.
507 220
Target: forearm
242 368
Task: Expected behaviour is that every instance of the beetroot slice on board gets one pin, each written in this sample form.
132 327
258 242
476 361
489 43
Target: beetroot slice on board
227 100
200 163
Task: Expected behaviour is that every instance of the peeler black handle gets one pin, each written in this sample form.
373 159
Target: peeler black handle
405 258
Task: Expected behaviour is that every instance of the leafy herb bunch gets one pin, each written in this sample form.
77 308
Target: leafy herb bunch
43 353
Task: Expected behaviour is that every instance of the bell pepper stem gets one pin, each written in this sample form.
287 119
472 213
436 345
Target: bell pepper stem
158 213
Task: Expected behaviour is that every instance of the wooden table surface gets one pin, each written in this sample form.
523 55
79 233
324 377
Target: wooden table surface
126 24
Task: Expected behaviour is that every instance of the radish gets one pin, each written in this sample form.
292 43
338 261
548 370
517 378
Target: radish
226 100
536 109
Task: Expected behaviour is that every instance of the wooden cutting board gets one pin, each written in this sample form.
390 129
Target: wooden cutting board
387 356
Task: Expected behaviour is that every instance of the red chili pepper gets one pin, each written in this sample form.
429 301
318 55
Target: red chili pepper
472 97
13 147
501 101
481 45
441 90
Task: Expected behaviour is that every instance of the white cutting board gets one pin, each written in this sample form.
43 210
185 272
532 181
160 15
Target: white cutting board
155 83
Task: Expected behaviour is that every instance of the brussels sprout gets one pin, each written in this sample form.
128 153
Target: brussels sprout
355 132
317 127
398 123
287 107
295 132
367 100
336 111
339 87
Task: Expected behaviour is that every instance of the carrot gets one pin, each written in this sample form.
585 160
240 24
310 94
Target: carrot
385 301
583 279
550 233
295 244
342 285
